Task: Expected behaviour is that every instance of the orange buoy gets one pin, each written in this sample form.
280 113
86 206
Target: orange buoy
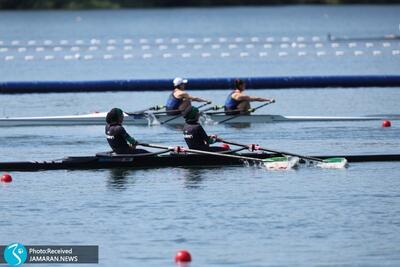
386 123
183 256
6 178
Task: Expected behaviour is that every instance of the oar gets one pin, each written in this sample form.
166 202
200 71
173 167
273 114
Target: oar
250 110
176 110
216 107
180 115
222 112
334 163
270 163
158 107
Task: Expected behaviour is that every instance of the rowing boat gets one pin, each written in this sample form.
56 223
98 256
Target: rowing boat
158 160
98 118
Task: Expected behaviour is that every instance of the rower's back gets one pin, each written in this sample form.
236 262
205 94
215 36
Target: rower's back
116 138
195 136
116 135
173 104
231 104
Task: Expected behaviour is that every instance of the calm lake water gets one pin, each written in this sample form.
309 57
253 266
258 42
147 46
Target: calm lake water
218 42
232 216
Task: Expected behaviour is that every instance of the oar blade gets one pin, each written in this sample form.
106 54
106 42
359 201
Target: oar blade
281 163
333 163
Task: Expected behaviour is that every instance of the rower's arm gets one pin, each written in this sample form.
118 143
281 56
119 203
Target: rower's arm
129 138
252 98
261 99
192 98
203 135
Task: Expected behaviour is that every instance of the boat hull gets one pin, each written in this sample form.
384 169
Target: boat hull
99 119
163 161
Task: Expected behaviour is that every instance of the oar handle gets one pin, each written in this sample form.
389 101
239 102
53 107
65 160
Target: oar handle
195 151
205 104
216 107
263 105
155 146
180 115
250 110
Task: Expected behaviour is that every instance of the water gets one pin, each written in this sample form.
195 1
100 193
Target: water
219 42
234 216
224 216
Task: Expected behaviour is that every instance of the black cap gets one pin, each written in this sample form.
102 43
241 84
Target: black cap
114 115
190 113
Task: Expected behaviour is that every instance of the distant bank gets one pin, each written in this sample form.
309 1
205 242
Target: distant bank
115 4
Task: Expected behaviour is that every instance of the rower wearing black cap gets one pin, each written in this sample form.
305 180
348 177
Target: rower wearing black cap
194 134
239 103
118 139
179 99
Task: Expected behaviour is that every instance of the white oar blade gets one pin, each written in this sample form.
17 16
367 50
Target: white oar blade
333 163
281 163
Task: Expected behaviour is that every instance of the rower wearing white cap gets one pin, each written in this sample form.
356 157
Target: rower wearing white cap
179 99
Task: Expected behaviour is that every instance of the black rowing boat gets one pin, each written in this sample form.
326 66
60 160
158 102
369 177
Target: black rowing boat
156 160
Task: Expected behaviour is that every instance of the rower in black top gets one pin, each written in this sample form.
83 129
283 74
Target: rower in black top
194 134
118 139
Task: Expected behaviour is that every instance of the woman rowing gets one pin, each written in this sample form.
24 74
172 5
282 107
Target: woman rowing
194 134
118 139
179 99
238 102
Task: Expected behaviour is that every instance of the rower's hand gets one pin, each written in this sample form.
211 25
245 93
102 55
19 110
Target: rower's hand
254 147
271 100
134 144
214 138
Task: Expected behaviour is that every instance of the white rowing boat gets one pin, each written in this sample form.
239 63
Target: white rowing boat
98 118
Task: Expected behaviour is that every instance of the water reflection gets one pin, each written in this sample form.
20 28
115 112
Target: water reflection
193 177
239 125
175 127
118 179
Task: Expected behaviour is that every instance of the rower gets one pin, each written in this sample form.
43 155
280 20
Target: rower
118 139
194 134
239 103
179 99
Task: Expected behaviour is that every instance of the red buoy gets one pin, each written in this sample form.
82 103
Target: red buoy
6 178
386 123
225 146
183 256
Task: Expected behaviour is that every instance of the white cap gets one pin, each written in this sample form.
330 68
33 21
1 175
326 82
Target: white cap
178 81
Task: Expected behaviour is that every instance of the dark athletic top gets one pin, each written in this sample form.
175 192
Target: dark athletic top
195 136
119 139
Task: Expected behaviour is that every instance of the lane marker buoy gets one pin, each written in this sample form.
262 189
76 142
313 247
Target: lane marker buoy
183 256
